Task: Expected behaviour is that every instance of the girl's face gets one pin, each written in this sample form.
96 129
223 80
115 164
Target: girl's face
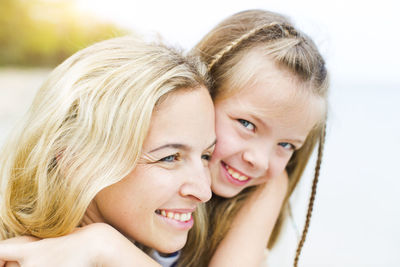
155 202
260 126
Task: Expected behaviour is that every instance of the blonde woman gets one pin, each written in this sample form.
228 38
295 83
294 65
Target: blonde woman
113 137
269 86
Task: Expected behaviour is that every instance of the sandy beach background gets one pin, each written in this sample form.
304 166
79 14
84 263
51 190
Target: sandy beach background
357 213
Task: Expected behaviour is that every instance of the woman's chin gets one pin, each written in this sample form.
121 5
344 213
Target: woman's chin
171 247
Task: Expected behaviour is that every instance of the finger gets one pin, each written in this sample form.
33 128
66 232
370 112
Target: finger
12 264
8 252
19 240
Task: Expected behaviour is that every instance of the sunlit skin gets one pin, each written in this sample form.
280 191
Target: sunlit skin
172 176
260 126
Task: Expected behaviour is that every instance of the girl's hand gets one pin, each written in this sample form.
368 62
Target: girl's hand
93 245
252 226
275 189
76 249
7 259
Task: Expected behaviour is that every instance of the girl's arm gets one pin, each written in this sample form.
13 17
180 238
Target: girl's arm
246 241
93 245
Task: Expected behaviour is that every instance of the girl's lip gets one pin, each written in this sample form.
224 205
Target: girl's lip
230 178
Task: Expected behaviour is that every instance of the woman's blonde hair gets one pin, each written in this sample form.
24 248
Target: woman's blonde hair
84 132
222 50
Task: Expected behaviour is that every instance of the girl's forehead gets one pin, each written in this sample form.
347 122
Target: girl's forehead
277 97
254 66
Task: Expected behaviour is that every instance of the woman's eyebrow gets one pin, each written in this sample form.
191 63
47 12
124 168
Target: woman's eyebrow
173 145
212 144
179 146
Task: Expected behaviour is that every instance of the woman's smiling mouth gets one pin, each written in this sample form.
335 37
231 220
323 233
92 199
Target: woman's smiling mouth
178 216
181 219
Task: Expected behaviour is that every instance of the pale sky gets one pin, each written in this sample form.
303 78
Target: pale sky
359 39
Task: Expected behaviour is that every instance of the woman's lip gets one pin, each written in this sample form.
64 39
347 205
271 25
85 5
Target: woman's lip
177 224
183 210
229 177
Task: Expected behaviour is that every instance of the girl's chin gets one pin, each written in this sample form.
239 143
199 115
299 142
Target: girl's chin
225 191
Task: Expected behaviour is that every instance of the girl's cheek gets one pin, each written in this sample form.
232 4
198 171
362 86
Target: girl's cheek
278 167
227 144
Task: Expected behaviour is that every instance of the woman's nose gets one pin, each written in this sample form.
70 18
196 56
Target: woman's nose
198 185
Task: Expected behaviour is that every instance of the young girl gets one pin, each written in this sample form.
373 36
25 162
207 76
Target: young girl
113 136
270 95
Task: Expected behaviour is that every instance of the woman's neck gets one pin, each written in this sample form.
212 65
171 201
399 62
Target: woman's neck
92 215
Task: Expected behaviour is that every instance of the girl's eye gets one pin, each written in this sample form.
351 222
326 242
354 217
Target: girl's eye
170 158
248 125
287 146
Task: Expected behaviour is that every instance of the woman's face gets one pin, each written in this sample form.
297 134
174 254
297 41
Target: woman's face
259 127
155 202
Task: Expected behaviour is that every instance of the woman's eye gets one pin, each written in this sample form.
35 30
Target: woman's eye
206 157
170 158
248 125
287 146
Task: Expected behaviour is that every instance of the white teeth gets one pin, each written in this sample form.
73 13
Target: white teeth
236 175
243 178
183 217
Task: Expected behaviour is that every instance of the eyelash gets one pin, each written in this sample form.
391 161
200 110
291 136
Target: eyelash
170 158
246 123
283 144
176 157
206 156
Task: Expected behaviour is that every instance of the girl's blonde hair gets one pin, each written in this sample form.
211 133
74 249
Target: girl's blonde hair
222 50
84 132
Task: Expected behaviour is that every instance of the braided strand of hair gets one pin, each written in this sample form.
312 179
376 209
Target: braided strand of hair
238 41
312 198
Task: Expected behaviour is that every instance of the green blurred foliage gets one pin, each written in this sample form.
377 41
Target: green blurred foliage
44 33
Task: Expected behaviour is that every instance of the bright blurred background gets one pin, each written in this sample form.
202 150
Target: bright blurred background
356 220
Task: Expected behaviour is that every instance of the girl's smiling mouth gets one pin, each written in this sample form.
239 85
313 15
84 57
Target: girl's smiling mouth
233 175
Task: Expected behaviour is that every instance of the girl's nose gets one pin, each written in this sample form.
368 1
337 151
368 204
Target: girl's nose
258 158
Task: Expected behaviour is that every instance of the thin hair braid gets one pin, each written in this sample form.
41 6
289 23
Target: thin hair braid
312 197
285 29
